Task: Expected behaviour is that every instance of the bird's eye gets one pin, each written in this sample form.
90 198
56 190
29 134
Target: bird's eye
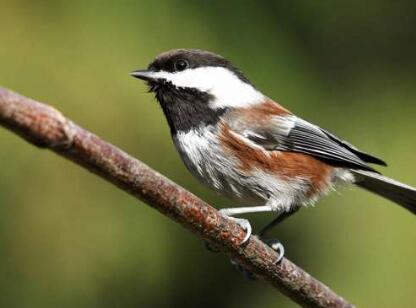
181 64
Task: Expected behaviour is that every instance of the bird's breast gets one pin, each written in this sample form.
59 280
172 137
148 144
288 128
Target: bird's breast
204 156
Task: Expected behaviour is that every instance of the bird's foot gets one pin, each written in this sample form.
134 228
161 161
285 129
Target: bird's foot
244 223
277 246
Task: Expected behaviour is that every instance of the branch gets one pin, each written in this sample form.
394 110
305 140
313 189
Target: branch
46 127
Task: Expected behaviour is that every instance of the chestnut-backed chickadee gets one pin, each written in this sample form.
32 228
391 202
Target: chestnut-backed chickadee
246 146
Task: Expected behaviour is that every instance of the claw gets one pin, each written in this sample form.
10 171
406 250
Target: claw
244 223
276 246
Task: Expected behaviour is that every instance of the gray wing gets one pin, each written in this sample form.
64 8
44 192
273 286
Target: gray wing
289 133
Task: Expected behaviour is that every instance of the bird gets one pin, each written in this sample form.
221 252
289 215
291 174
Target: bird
246 146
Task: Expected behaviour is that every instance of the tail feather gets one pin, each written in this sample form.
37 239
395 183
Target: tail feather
393 190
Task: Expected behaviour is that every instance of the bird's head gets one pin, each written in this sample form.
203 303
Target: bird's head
194 85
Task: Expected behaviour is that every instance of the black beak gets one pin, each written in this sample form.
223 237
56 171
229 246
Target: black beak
143 74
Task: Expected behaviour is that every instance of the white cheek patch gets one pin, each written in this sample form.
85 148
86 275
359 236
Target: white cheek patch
226 88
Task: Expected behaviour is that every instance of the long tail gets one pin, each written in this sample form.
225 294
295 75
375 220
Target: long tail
393 190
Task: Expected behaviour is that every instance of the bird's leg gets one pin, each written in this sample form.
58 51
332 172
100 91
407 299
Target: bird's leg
279 219
244 223
274 243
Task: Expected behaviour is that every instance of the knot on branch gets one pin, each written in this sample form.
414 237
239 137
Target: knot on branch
40 124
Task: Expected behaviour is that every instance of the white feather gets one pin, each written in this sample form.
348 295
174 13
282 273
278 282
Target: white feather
226 88
284 124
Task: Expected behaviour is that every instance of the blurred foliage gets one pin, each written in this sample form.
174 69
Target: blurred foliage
70 239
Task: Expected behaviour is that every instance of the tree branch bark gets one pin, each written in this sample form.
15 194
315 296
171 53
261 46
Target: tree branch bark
46 127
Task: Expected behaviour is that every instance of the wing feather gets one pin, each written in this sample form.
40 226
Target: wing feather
289 133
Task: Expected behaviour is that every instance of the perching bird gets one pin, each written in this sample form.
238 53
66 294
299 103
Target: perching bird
246 146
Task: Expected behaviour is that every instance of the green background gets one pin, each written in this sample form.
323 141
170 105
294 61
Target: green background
69 239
